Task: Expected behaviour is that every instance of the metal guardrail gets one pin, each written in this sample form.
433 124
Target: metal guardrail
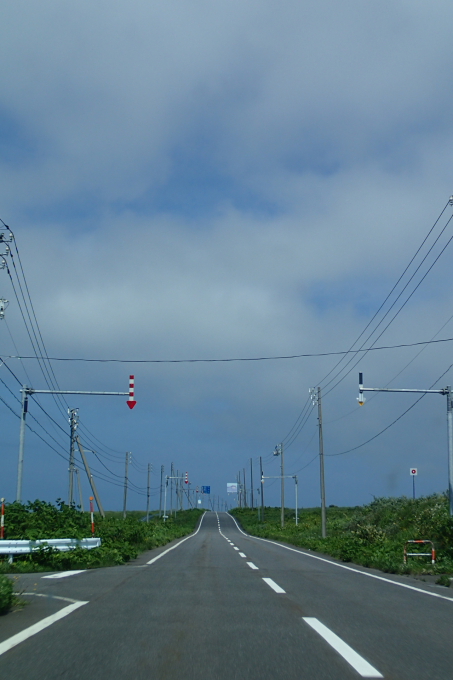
22 547
431 554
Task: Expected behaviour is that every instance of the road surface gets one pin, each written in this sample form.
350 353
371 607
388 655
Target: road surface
221 605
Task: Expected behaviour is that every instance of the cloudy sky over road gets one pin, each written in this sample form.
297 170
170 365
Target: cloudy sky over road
225 180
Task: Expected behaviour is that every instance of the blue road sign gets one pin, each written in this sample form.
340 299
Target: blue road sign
205 489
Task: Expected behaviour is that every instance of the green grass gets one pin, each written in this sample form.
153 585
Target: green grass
372 535
122 539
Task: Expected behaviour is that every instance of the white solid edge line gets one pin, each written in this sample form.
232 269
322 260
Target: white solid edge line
37 627
273 585
343 566
63 574
362 667
252 566
177 544
242 555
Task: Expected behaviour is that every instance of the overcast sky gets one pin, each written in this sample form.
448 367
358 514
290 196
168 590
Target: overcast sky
219 180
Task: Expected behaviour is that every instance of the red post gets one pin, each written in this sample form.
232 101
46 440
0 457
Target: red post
131 401
92 515
2 521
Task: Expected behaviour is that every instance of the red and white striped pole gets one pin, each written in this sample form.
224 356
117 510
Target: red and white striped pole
2 521
92 515
131 402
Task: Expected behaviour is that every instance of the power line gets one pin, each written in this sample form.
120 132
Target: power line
392 319
233 359
391 291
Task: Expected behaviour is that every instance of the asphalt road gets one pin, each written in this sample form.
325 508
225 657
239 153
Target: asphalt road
221 605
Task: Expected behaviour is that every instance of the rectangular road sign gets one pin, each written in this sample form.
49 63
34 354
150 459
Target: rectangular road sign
232 487
205 489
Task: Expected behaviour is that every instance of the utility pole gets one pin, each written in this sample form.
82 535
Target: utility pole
90 478
161 489
447 391
262 489
279 452
251 482
316 400
172 474
20 465
245 490
73 422
126 480
79 484
165 496
147 493
283 477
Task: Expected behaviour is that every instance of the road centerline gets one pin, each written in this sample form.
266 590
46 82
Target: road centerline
273 585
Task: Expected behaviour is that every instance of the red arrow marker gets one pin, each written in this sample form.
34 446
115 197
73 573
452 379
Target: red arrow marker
130 402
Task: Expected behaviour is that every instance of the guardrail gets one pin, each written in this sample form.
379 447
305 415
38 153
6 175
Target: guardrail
431 554
22 547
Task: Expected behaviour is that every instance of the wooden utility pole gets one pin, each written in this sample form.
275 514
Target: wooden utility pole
90 478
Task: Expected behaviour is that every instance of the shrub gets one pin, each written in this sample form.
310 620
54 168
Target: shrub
6 594
373 535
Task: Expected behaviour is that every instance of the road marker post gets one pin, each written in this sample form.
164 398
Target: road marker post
92 515
2 521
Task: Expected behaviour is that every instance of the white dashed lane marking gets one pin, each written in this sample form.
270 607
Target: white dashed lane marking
355 660
273 585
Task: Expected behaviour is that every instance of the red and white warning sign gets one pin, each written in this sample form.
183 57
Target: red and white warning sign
414 472
130 402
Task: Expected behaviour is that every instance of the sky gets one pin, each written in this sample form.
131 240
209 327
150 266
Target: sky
243 180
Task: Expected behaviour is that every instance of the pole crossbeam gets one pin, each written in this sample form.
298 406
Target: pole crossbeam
446 391
388 389
31 390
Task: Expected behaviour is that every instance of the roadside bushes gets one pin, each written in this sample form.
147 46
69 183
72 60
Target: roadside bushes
6 594
122 539
372 535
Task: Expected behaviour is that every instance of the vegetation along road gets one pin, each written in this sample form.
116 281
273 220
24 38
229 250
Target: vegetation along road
220 604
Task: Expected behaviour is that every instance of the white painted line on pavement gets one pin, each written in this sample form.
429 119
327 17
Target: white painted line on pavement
355 660
177 545
63 574
242 555
37 627
252 566
343 566
273 585
236 548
